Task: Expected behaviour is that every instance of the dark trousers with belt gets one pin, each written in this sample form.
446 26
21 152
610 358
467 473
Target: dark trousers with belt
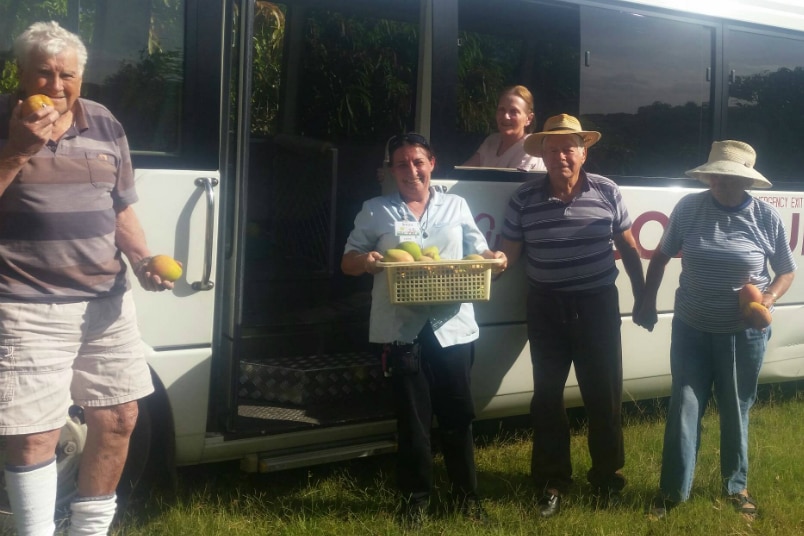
580 328
441 387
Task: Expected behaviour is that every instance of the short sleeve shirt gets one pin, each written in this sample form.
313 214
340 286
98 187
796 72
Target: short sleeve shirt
58 216
568 246
722 249
447 224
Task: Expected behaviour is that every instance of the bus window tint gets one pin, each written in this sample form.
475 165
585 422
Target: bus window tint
135 68
523 43
268 42
766 99
644 86
358 75
135 64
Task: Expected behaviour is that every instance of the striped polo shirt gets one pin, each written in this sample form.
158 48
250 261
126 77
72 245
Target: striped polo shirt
568 246
57 218
722 249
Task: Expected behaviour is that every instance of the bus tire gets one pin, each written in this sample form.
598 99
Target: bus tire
150 465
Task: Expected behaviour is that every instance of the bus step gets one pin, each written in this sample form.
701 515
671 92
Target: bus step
311 380
264 462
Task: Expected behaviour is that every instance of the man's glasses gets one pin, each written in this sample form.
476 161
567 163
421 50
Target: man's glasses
411 138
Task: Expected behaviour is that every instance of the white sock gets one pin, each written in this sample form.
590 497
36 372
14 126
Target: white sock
32 495
92 516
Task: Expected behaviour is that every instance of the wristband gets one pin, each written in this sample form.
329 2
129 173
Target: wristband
772 295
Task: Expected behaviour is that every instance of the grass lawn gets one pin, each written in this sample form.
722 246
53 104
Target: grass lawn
358 497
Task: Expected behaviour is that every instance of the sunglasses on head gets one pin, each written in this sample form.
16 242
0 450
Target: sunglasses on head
411 138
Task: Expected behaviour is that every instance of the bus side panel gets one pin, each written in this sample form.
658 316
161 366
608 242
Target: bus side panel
186 377
173 210
177 325
502 374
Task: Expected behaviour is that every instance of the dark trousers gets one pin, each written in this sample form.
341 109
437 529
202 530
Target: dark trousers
581 329
440 388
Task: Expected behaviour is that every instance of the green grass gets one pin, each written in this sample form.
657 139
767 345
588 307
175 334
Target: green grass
358 497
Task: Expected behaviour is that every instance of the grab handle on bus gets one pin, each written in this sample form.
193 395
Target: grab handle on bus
207 183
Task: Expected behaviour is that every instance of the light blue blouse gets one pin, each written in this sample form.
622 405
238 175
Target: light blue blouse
447 223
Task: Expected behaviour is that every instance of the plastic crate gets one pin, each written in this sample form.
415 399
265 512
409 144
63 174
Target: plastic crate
439 281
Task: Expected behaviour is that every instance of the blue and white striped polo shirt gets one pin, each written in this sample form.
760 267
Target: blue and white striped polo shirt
722 249
568 246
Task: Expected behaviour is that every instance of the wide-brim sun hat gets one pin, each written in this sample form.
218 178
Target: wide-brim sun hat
731 158
559 124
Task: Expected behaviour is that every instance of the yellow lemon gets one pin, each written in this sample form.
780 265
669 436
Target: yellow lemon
165 267
34 103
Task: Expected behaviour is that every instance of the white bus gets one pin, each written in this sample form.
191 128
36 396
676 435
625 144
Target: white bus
257 128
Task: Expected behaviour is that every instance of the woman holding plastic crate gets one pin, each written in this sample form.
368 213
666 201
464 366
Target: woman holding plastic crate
426 349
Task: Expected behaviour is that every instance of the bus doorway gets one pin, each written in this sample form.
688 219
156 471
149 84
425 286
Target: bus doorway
306 159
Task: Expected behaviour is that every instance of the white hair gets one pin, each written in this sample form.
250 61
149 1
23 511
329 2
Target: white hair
50 39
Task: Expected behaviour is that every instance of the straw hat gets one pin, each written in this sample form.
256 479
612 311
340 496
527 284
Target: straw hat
559 124
731 158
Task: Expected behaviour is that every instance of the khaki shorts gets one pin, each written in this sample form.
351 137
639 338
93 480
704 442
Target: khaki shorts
89 352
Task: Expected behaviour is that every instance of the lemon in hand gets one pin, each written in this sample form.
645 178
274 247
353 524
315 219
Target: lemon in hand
34 103
165 267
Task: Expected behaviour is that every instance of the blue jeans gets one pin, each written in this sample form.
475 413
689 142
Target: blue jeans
699 360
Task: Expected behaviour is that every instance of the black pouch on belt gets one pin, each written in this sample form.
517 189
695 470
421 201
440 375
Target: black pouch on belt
402 359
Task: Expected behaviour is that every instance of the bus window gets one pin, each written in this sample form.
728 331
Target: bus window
647 91
268 42
358 78
766 102
523 43
136 53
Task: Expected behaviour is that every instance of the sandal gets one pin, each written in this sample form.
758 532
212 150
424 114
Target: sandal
744 504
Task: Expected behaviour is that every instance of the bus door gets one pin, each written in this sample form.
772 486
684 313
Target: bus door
305 149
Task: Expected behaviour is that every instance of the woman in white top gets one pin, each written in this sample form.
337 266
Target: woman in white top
505 148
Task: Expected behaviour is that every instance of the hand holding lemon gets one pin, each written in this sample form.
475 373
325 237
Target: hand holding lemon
158 272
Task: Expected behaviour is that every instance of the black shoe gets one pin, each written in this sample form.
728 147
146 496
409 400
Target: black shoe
549 505
660 507
413 515
612 498
472 509
744 504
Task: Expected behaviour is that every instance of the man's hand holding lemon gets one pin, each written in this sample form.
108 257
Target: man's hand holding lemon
31 126
158 273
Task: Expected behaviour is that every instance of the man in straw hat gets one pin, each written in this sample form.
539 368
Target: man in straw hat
727 239
567 222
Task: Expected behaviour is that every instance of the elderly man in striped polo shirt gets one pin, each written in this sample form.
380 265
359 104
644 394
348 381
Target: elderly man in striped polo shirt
567 222
68 328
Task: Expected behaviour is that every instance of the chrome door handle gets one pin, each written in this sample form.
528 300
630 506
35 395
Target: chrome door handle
207 183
